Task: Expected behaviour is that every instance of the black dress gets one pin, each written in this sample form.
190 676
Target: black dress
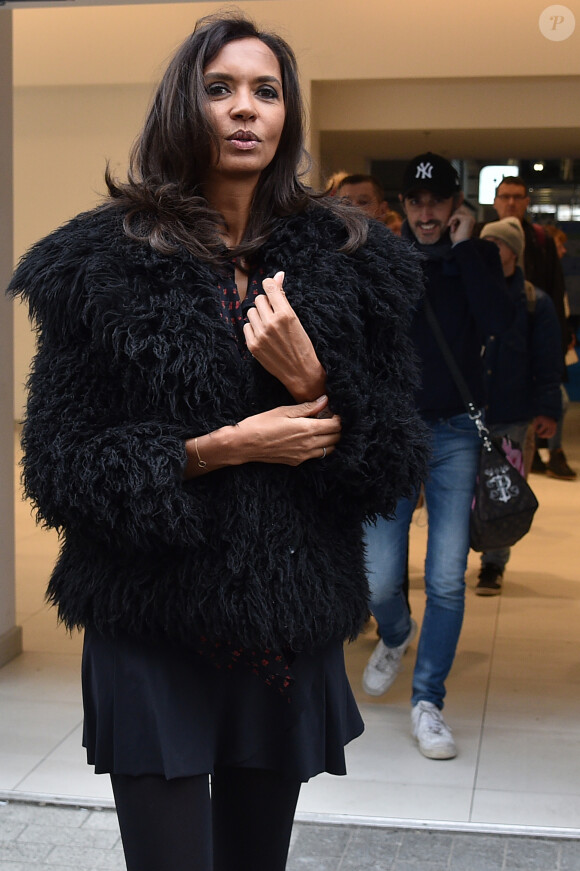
151 707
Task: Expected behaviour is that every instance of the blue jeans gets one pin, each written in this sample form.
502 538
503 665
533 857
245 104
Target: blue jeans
517 432
455 449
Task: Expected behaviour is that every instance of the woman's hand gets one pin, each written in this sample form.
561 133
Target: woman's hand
289 435
279 342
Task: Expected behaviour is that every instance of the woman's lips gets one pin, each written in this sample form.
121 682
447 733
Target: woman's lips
244 144
244 140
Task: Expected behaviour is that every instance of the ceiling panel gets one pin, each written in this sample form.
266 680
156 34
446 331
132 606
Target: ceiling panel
346 148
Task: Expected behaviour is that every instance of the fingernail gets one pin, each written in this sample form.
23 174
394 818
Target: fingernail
280 275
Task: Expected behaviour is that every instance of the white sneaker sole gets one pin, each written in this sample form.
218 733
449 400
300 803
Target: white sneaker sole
437 752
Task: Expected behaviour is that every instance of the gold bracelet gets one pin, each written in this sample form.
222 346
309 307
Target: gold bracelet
201 463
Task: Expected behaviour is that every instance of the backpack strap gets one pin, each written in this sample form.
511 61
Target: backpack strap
540 234
530 296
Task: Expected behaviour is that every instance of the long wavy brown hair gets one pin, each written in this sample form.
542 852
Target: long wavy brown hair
162 197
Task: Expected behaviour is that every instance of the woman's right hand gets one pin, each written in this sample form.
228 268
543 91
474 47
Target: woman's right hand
288 434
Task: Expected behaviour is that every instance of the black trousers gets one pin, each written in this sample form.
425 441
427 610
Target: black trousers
174 825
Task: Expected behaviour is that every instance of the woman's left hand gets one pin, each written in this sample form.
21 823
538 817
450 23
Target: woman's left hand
279 342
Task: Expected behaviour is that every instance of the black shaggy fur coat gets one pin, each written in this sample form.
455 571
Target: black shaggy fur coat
133 358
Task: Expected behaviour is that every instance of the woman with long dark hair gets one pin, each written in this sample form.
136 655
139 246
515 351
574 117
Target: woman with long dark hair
220 397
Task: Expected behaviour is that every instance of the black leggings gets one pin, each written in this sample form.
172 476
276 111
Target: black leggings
173 825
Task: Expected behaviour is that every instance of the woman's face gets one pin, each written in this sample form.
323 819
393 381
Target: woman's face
245 106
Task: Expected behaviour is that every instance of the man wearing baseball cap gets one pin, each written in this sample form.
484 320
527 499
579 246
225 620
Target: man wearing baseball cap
522 370
466 290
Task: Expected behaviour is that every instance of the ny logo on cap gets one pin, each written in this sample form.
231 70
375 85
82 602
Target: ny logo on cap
424 170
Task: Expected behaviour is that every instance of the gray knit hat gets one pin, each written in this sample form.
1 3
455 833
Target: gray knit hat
510 231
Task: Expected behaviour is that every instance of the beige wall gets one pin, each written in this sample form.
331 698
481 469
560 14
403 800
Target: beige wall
63 138
347 39
483 118
10 634
83 76
405 104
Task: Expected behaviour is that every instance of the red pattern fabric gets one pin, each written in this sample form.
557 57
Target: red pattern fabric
235 310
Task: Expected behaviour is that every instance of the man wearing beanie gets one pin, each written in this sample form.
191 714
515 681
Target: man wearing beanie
509 232
543 268
541 262
465 287
522 370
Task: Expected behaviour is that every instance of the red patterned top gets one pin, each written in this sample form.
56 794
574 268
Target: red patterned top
235 310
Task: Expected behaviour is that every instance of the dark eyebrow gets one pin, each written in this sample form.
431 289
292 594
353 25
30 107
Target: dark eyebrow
226 77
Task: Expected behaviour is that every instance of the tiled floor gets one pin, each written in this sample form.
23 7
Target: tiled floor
513 697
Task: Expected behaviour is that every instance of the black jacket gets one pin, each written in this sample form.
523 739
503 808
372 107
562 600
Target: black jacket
523 366
134 358
543 268
467 292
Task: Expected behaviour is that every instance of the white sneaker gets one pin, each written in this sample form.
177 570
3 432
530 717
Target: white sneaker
432 732
385 664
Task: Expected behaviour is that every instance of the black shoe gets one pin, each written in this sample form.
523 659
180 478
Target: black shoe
557 466
490 578
538 465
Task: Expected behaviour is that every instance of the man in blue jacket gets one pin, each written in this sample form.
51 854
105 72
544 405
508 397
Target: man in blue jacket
466 289
523 370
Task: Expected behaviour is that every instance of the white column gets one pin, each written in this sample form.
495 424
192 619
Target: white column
10 634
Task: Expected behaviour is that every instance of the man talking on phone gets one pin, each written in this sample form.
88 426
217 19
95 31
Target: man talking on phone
465 287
